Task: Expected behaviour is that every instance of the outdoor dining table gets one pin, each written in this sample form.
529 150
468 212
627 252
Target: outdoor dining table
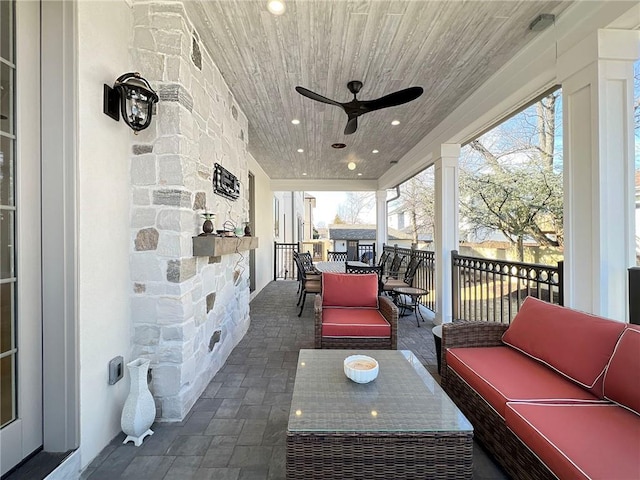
337 267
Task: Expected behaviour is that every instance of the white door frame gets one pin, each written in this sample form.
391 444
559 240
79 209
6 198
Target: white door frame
59 222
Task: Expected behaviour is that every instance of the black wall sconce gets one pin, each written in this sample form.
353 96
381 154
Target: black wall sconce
132 95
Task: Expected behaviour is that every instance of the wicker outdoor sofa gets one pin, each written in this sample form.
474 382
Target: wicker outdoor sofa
556 394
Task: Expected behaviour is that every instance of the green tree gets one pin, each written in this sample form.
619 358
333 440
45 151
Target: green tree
508 181
417 202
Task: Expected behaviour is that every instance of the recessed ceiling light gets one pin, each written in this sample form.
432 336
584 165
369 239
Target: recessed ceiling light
276 7
359 174
351 166
375 151
304 174
301 150
395 122
295 121
338 145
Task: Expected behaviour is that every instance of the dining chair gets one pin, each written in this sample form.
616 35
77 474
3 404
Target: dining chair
309 283
407 281
336 256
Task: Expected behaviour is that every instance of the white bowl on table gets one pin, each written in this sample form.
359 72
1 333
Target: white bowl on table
361 368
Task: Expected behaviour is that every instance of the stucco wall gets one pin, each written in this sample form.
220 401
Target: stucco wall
104 191
263 228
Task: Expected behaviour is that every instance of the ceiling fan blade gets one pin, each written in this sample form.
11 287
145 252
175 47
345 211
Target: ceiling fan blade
314 96
352 125
393 99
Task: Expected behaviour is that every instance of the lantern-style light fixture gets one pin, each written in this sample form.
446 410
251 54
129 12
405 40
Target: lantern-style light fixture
133 96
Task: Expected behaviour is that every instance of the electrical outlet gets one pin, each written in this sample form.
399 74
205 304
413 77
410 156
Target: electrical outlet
215 338
116 370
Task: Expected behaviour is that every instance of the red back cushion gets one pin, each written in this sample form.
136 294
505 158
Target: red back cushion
576 344
622 380
354 290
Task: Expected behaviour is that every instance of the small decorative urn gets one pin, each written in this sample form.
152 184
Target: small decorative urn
207 226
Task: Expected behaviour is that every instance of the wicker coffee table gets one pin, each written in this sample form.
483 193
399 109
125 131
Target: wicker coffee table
401 425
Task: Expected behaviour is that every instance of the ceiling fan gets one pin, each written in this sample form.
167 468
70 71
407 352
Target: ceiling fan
356 107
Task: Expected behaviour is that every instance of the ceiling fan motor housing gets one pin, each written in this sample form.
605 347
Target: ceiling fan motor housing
354 86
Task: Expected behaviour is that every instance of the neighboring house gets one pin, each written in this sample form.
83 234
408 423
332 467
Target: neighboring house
347 237
309 205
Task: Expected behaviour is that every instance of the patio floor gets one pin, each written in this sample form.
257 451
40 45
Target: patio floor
236 430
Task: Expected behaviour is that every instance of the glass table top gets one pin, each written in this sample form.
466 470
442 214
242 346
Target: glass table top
403 398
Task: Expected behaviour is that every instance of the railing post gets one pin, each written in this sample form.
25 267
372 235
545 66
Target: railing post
561 282
455 286
275 261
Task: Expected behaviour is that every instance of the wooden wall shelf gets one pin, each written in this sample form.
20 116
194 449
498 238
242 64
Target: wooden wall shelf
214 246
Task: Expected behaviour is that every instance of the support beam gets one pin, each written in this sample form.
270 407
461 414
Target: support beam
446 231
599 229
381 220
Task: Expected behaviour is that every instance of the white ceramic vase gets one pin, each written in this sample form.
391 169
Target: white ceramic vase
139 410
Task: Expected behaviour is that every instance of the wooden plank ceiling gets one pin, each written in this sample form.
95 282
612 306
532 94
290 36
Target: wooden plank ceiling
448 47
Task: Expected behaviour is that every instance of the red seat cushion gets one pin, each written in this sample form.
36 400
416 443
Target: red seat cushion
622 379
502 374
350 290
559 336
345 322
580 441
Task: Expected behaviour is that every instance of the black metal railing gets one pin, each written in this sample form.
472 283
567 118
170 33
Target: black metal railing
493 290
283 265
425 275
366 254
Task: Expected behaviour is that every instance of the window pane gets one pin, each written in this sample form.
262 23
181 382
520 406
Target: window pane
6 317
6 98
6 30
7 405
6 171
6 243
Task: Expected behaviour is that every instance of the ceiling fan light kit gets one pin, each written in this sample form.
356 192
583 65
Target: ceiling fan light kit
356 107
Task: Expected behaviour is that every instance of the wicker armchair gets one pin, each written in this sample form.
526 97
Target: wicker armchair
350 314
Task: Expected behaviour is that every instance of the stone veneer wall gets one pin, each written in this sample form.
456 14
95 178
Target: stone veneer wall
179 301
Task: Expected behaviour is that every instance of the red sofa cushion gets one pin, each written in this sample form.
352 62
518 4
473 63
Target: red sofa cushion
580 441
502 374
575 344
345 322
622 379
352 290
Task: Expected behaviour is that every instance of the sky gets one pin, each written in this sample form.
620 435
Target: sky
326 206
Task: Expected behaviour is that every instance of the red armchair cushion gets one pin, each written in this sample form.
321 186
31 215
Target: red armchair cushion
344 322
622 379
350 290
575 344
580 441
502 374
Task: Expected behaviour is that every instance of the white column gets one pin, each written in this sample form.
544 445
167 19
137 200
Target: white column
381 220
446 231
599 230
